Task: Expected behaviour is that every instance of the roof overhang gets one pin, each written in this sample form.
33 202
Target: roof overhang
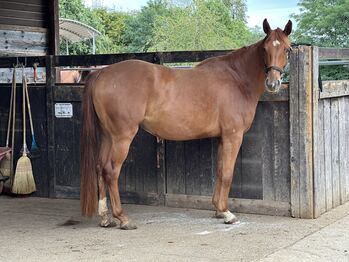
75 31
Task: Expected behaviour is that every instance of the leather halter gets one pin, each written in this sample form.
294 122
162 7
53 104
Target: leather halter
276 68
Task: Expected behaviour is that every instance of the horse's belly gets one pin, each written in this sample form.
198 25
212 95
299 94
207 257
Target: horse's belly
181 128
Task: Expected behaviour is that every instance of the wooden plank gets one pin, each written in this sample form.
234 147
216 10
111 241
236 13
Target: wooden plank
28 2
294 132
343 150
252 186
192 167
281 153
175 167
328 153
333 53
206 177
22 14
140 198
319 182
23 28
50 82
319 164
146 162
335 152
252 206
335 88
67 192
7 20
68 93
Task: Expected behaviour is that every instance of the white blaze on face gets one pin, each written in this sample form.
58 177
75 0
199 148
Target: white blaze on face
276 43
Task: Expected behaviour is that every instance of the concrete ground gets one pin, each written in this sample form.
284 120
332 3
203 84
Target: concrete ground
36 229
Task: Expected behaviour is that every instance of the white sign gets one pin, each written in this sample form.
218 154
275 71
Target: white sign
63 110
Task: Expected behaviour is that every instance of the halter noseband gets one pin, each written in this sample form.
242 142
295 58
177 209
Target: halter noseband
276 68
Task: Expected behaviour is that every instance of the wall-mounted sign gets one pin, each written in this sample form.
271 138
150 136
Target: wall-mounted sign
63 110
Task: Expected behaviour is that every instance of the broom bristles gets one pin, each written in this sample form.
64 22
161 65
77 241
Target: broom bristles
23 182
5 167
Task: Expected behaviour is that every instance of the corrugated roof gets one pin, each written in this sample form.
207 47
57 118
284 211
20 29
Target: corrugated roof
75 31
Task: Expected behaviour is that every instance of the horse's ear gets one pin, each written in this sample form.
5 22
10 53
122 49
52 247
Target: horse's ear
288 28
266 27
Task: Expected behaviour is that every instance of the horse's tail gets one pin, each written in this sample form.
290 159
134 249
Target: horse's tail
89 151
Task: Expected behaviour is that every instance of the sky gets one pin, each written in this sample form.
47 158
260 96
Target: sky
277 12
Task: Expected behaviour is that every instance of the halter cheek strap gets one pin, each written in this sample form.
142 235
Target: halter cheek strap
276 68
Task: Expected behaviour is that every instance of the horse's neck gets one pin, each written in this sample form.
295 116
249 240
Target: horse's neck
248 63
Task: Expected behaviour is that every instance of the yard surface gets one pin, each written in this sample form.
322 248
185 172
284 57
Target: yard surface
38 229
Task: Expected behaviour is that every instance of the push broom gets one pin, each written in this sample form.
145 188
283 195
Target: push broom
6 164
23 182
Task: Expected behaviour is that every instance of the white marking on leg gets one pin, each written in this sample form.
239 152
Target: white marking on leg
228 216
276 43
102 207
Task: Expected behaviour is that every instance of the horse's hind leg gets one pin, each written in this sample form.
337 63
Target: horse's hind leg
103 212
106 220
117 155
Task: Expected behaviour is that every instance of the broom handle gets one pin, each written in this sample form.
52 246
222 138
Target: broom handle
10 113
24 124
13 128
29 109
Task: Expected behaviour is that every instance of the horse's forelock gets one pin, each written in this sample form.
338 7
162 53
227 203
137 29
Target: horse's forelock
278 34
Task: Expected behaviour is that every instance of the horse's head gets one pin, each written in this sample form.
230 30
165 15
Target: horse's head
276 50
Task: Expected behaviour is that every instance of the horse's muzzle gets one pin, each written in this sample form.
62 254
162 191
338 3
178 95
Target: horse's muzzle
272 86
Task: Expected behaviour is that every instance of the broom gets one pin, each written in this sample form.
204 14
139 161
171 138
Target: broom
24 181
34 150
6 164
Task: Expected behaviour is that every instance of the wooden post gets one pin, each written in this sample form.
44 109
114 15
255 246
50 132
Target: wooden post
50 82
301 132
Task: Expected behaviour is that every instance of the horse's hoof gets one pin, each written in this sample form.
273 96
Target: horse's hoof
128 226
108 222
233 221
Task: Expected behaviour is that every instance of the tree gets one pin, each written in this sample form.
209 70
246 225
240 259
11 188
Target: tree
323 23
114 26
204 24
238 9
139 29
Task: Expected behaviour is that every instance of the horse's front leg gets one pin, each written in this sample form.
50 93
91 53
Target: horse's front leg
228 150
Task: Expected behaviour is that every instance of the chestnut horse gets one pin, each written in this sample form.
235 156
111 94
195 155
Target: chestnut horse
217 98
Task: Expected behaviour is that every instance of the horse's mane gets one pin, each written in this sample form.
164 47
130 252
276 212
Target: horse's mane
277 33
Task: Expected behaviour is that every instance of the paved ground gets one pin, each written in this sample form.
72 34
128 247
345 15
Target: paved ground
32 229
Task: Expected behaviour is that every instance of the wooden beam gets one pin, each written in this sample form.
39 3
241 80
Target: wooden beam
53 44
335 88
333 53
253 206
318 154
301 132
